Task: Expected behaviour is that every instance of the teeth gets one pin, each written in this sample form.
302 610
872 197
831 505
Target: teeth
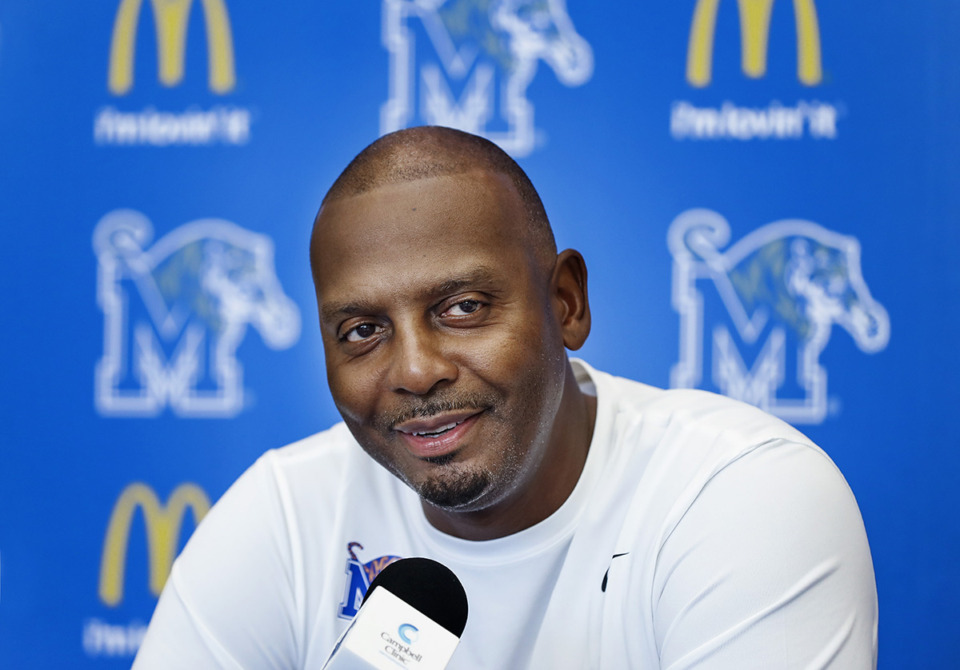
442 429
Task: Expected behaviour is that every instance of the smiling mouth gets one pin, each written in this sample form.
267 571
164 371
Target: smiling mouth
437 437
439 431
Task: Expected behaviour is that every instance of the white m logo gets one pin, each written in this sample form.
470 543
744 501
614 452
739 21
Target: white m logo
781 289
174 314
473 69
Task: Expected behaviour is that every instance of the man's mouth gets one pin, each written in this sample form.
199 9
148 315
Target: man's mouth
439 431
431 437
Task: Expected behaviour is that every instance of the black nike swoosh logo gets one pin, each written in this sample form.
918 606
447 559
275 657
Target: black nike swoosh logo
603 584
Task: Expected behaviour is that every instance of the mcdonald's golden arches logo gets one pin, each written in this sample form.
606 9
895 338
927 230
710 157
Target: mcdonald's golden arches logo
162 524
754 33
171 18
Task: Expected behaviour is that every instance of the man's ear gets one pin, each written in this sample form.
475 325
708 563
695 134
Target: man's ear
569 291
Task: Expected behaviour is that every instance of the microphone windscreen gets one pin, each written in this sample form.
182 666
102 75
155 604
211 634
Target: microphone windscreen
427 586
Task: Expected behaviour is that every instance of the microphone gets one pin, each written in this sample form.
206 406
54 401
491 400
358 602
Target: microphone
411 617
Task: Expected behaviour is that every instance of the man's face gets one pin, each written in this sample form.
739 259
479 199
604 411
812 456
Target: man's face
443 352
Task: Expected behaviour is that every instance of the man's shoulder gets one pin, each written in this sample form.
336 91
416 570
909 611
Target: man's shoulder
333 443
293 491
326 460
665 445
317 468
690 412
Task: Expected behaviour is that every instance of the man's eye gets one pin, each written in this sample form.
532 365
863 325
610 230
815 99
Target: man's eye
464 307
361 332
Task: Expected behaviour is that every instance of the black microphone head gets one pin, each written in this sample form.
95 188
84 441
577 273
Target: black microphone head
427 586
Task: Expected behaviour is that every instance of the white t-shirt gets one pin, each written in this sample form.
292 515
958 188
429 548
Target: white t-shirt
702 533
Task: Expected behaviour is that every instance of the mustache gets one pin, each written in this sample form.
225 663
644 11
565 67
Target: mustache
428 407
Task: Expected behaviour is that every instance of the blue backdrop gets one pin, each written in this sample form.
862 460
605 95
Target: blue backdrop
765 193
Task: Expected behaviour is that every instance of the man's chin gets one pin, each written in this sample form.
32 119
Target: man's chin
454 490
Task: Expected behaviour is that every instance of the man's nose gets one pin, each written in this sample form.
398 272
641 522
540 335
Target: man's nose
419 362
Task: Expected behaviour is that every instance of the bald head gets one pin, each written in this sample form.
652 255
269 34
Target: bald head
431 151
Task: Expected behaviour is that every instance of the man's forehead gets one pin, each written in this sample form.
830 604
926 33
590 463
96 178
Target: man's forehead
434 209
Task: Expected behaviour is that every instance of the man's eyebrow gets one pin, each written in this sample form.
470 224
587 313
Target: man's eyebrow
329 313
481 276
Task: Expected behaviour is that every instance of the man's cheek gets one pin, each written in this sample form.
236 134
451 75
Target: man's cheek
349 400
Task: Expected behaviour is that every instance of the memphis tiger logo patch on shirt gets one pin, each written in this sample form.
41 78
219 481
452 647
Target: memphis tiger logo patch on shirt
359 577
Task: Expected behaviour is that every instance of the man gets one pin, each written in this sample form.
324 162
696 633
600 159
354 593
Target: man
595 522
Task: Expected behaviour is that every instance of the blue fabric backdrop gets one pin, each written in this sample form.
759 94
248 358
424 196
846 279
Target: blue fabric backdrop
767 203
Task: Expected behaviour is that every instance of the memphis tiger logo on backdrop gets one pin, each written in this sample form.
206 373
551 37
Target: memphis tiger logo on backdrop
467 64
162 524
175 312
755 316
219 124
777 121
